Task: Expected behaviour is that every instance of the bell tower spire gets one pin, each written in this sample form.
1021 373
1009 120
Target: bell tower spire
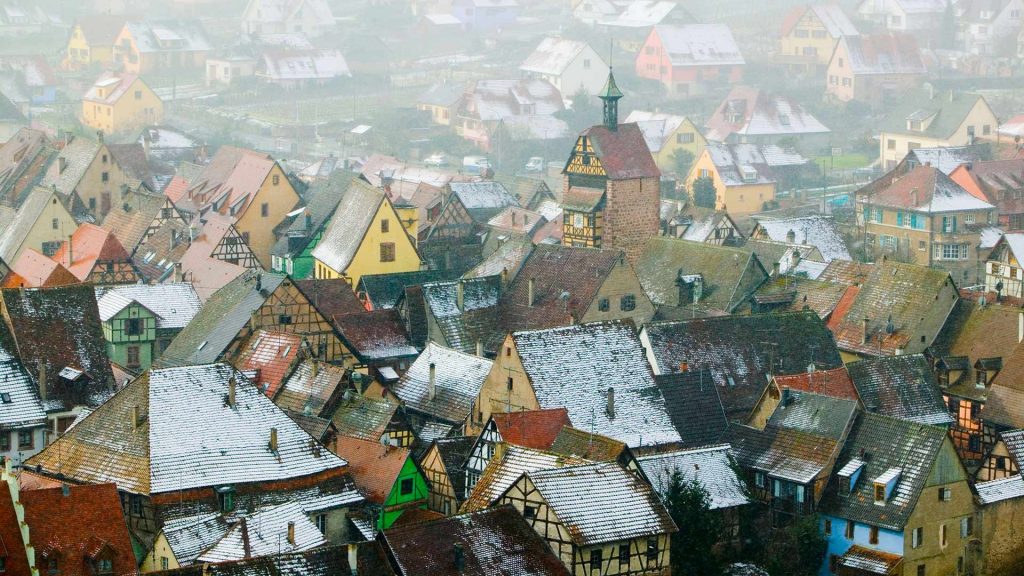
610 95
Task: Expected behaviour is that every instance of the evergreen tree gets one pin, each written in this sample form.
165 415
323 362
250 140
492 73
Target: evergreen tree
700 527
682 160
796 549
704 193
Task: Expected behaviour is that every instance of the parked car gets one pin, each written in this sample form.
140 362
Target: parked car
476 165
535 164
436 160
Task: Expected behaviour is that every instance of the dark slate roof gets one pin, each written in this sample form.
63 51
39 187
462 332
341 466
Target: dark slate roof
802 293
883 444
825 416
903 387
132 159
363 417
742 351
375 336
59 328
483 200
785 453
332 297
692 401
587 445
455 453
321 199
475 320
723 270
385 290
623 153
494 542
324 561
220 320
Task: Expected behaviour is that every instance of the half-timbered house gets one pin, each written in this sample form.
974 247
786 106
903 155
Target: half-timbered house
141 320
138 215
466 208
444 466
611 185
624 529
1004 459
535 429
375 419
95 256
388 475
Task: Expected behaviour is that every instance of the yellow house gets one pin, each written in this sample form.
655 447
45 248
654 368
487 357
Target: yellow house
810 34
927 119
252 190
667 133
366 235
87 168
160 557
92 42
120 103
738 172
42 223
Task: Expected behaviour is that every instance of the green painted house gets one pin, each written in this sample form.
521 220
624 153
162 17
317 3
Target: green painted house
293 252
139 320
387 475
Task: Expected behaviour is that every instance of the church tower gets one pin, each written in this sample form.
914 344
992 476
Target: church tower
611 184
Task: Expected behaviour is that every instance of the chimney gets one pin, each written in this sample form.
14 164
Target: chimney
776 269
530 286
684 366
432 382
610 410
314 369
179 275
1020 326
864 333
504 277
135 418
791 236
787 396
62 164
231 391
291 533
913 197
71 256
42 382
460 558
513 218
460 296
273 440
309 221
65 489
480 346
99 136
794 259
353 558
145 144
259 282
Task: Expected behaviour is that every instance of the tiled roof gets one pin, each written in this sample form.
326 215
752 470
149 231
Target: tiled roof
825 416
925 189
374 466
454 454
884 54
375 336
1004 405
71 164
494 542
818 231
785 453
623 153
576 366
903 387
835 382
802 294
509 256
362 417
870 561
320 199
112 86
310 387
23 158
846 272
225 444
905 293
507 465
950 109
1002 489
385 290
885 444
33 270
831 16
352 218
710 465
220 320
132 158
1014 440
458 380
97 523
600 503
266 532
723 271
535 429
21 407
332 297
16 230
175 303
129 220
151 36
323 561
233 174
586 445
189 536
759 114
741 352
700 45
657 127
553 55
59 327
90 246
462 327
694 406
483 200
977 332
271 356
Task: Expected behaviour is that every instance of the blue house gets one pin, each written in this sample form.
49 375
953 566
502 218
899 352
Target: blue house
899 503
485 15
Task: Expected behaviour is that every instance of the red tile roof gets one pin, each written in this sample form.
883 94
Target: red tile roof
535 429
77 529
176 189
34 270
374 467
236 172
623 153
273 355
835 382
90 244
842 308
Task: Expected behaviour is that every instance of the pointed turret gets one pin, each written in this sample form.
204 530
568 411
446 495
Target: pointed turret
610 95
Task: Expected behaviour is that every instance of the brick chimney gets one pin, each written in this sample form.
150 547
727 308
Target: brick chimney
231 391
530 287
432 382
610 410
273 440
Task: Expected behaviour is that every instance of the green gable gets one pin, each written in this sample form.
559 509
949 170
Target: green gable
414 496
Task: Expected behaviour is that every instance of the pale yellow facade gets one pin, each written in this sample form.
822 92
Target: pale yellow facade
160 557
808 42
268 208
136 108
79 53
54 225
100 185
981 121
735 199
387 228
497 395
686 137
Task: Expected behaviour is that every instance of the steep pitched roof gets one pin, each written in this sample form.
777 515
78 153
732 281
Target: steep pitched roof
21 408
623 153
700 45
455 452
232 175
482 200
374 466
835 382
553 55
665 260
926 189
587 445
129 220
151 36
17 226
494 542
471 320
207 337
831 16
740 352
90 245
33 270
752 112
600 503
385 290
361 417
947 109
507 465
794 293
23 159
657 127
458 378
693 404
174 303
310 387
100 30
375 336
531 428
818 231
348 226
883 444
1004 405
884 54
577 366
110 87
710 465
225 444
270 357
283 528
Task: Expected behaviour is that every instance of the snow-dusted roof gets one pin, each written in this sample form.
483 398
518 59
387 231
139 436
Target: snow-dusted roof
600 503
351 220
999 490
989 236
642 14
265 533
818 231
575 366
19 406
700 45
554 55
504 469
175 304
458 378
710 465
656 126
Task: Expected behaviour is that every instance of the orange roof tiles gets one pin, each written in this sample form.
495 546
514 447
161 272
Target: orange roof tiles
842 308
34 270
273 355
374 467
89 245
535 429
835 382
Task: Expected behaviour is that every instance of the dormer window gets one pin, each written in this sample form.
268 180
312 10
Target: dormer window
879 493
104 566
885 484
226 499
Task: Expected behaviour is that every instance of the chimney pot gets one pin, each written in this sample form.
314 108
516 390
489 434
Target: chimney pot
42 382
460 296
480 348
273 440
611 403
530 288
864 332
432 382
135 418
291 533
232 384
